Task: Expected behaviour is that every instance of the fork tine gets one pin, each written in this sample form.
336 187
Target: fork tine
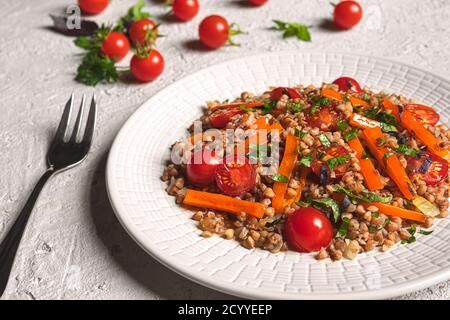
90 124
77 127
64 122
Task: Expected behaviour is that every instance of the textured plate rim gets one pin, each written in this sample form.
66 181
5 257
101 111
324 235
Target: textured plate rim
219 285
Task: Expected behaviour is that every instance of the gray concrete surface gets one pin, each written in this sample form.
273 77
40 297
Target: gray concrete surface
74 247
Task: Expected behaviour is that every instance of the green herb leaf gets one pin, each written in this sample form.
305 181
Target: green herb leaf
258 151
366 97
403 148
367 197
342 124
330 203
296 107
134 13
388 127
280 178
314 109
426 232
334 162
306 160
325 142
380 142
350 134
373 229
268 106
96 68
300 133
376 215
242 107
386 222
293 29
387 155
343 228
364 155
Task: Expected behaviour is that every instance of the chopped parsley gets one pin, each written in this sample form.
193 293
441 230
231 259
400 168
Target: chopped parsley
367 197
403 148
306 160
300 133
334 162
412 238
426 232
350 134
380 142
343 228
387 155
258 151
314 109
364 155
376 215
268 106
342 124
296 107
242 107
280 178
325 142
388 127
293 29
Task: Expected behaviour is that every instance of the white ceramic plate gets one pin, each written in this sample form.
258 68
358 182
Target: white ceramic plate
166 231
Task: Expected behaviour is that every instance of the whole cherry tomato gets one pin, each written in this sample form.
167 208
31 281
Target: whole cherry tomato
348 84
214 31
347 14
93 6
185 10
201 168
308 230
115 46
147 68
143 32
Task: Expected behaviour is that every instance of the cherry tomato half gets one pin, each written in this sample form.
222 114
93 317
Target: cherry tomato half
93 6
185 10
347 84
201 168
424 114
258 2
278 92
143 31
433 171
308 230
116 46
220 118
235 176
326 118
347 14
322 155
148 68
213 31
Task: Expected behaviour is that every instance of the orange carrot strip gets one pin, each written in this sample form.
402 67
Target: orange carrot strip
302 183
356 102
417 129
331 94
286 167
371 176
238 104
391 163
393 108
359 121
221 202
396 211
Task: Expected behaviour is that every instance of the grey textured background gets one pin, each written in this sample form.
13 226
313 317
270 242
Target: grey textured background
74 247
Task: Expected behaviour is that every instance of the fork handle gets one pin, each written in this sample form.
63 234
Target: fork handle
11 241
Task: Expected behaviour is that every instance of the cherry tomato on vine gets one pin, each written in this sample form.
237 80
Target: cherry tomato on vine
147 67
348 84
308 230
201 168
425 114
432 168
143 31
93 6
347 14
258 2
185 10
235 176
214 32
115 46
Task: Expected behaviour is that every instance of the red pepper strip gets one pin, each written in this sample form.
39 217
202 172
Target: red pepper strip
417 129
359 121
393 108
393 166
396 211
371 176
221 202
286 167
238 104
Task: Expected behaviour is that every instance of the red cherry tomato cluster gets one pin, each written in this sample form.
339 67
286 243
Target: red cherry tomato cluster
232 176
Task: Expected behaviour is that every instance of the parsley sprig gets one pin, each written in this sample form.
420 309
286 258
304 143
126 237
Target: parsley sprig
293 29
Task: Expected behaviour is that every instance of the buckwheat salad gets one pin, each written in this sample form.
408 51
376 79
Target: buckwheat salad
336 170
